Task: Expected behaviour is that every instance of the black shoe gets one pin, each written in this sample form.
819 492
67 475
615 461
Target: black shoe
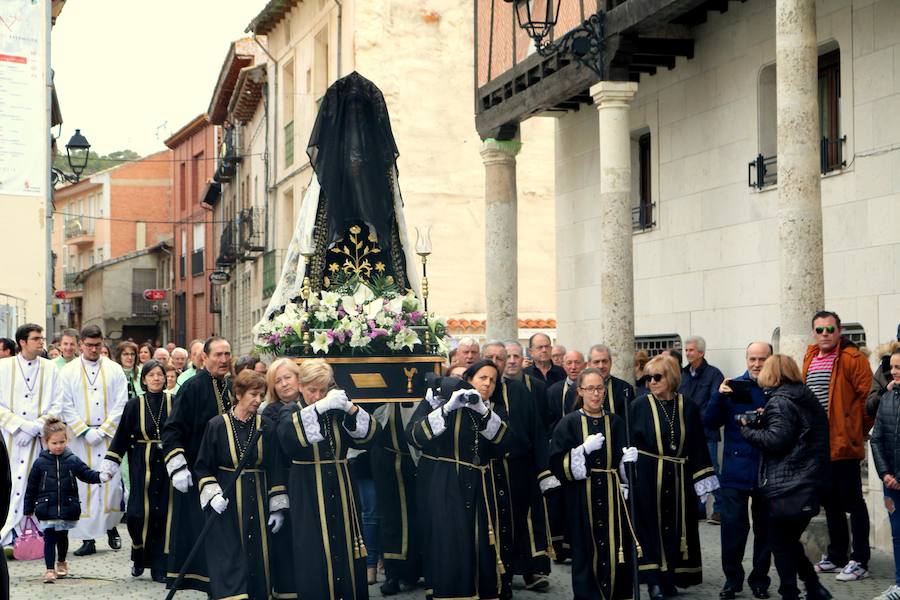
390 587
136 571
761 593
817 591
655 592
669 591
536 582
87 548
112 536
729 593
158 576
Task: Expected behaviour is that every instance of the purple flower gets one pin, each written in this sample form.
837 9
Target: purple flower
340 336
414 316
341 313
371 324
397 327
330 335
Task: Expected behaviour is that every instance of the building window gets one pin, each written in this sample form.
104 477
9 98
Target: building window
182 186
641 194
655 344
289 98
197 181
320 65
855 333
181 258
197 264
763 170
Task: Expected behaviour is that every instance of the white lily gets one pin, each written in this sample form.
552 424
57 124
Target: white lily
363 294
321 343
405 338
374 309
359 341
395 305
330 299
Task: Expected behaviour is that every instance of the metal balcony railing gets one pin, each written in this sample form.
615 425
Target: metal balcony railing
763 170
642 217
289 144
251 227
197 264
228 158
227 247
69 281
140 307
79 227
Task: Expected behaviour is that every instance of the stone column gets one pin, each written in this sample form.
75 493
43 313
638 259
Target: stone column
500 239
613 99
799 187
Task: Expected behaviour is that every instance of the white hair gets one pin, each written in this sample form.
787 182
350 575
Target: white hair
179 351
697 341
467 341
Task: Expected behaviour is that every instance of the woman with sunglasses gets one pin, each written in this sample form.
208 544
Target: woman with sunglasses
588 453
315 435
673 469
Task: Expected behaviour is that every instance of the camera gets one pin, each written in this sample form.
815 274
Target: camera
472 397
753 418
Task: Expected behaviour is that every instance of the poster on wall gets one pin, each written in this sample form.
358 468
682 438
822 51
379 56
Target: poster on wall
22 90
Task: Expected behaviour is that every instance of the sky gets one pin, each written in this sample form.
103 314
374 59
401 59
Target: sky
129 73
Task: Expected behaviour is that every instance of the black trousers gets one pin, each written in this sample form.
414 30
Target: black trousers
735 528
846 497
56 545
790 558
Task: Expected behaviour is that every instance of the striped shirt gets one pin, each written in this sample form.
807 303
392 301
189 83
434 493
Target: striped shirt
818 377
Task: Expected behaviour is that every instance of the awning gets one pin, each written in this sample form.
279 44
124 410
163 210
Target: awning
211 193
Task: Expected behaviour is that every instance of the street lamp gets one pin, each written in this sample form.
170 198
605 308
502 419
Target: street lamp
77 153
583 44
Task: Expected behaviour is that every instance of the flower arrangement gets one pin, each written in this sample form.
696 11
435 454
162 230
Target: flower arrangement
353 318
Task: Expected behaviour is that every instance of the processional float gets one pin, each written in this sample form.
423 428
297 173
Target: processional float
349 290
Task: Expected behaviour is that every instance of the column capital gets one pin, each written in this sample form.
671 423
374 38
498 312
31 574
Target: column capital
613 93
499 151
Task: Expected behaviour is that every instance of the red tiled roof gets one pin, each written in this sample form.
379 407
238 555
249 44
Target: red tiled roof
454 324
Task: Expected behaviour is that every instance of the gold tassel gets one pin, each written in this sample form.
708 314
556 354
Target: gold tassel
550 551
621 555
640 551
491 539
684 547
500 568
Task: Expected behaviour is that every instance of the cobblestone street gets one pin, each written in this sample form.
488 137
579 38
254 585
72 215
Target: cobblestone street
105 576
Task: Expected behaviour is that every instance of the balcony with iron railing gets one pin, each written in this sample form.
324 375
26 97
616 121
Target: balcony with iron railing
141 307
227 247
251 228
197 263
69 281
642 217
79 231
762 172
228 158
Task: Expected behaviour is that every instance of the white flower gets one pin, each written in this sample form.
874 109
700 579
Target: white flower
363 294
373 309
395 305
382 320
411 301
330 299
326 313
405 338
359 341
348 303
321 343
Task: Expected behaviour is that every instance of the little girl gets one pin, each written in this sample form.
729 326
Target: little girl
52 495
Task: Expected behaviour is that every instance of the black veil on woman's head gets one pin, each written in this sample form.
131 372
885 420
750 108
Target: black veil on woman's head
353 153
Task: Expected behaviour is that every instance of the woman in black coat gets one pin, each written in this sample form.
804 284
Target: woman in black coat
792 435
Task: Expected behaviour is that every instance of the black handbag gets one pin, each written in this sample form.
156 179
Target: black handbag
802 502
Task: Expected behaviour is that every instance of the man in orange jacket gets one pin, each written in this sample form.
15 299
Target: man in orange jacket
840 377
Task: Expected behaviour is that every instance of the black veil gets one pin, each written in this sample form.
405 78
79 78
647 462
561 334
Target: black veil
353 153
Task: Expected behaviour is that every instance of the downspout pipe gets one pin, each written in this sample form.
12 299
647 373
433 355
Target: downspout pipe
340 39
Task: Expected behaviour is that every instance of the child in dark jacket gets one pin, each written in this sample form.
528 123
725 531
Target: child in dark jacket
52 495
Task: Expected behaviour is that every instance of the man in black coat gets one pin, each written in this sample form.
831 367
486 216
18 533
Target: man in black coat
618 391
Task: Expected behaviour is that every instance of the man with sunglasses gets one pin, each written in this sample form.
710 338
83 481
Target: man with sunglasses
839 375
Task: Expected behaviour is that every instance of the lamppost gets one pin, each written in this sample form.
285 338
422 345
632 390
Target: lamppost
583 43
77 154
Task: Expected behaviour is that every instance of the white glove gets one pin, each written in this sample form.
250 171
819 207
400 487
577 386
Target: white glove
457 400
624 487
109 467
219 503
22 438
549 483
32 428
480 407
593 442
629 454
93 436
105 476
276 520
182 480
338 400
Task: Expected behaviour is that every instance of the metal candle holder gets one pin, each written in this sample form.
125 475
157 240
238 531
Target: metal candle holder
423 249
307 250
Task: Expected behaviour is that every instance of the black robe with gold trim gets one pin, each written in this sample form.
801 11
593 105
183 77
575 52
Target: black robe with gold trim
665 500
522 517
596 514
457 501
195 404
329 553
237 545
149 507
394 474
281 547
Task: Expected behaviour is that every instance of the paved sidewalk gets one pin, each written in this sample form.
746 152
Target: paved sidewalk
105 576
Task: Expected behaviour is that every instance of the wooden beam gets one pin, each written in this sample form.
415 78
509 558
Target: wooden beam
653 59
649 69
646 13
664 46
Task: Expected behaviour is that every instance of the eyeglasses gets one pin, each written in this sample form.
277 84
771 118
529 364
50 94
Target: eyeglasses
592 389
657 377
828 328
37 339
128 354
97 345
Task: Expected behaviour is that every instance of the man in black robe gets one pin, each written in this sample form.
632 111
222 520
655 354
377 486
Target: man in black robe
561 395
618 391
521 477
543 368
199 399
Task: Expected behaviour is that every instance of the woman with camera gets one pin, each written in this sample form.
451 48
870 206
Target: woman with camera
459 430
792 436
